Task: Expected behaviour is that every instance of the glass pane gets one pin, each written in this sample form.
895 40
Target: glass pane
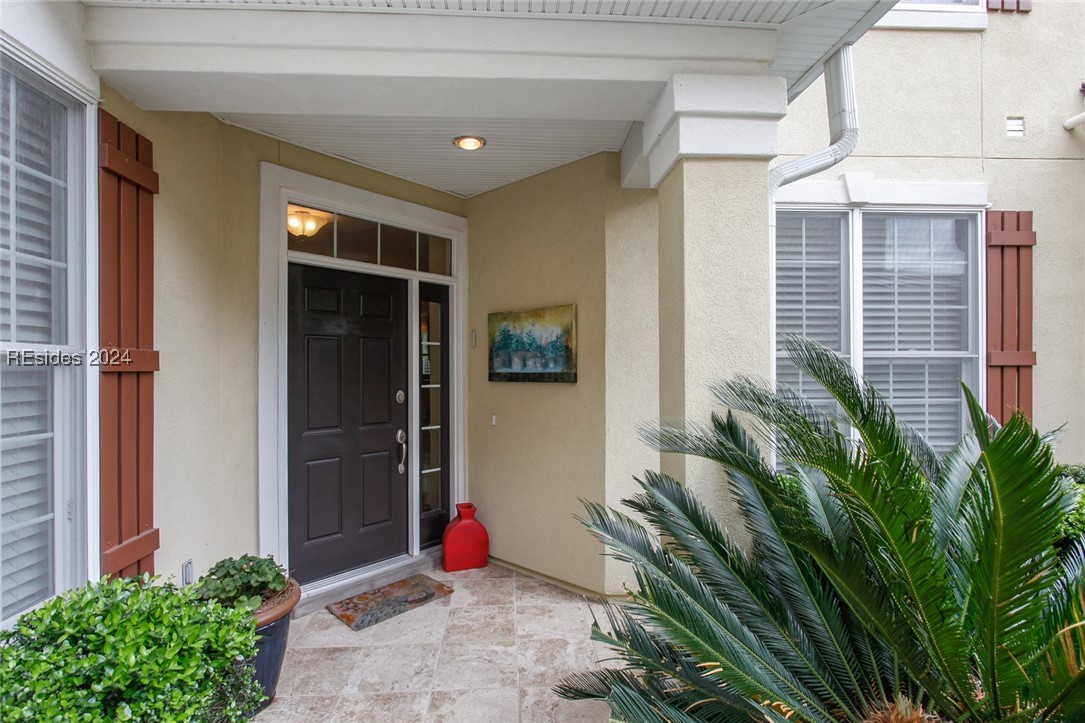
26 558
5 298
432 360
430 407
434 254
431 491
357 239
926 393
399 247
40 217
430 327
310 230
26 490
26 487
26 402
431 449
40 303
41 132
916 282
811 278
5 200
788 375
431 321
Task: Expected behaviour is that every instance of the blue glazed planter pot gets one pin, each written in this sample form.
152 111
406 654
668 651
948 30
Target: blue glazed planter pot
273 629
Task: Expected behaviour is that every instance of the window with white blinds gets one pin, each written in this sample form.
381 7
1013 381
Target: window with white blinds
41 419
895 293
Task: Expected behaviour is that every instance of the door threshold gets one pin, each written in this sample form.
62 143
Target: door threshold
320 593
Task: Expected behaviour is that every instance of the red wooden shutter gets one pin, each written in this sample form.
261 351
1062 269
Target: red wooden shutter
1010 6
127 185
1010 356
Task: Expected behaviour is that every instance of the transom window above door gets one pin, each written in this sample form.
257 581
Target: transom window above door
328 233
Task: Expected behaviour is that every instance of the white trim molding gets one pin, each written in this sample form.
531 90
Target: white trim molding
278 186
858 189
917 16
707 116
47 37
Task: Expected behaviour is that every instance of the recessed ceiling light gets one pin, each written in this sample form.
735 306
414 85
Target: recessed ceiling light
469 143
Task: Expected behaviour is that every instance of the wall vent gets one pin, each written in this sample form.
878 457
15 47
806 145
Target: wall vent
1015 126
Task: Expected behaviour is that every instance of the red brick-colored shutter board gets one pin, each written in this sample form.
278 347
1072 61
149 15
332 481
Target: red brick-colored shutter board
127 186
1010 357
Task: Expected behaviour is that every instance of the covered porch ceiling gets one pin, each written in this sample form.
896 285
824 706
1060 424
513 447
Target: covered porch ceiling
389 83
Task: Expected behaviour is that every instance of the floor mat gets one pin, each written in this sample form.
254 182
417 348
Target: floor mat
370 608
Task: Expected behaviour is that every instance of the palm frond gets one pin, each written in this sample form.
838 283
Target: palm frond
724 569
879 576
682 608
886 494
1015 525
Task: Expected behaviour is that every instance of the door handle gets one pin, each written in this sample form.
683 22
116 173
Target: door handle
401 438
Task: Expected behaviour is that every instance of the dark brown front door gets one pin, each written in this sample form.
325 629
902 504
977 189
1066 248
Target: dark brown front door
347 366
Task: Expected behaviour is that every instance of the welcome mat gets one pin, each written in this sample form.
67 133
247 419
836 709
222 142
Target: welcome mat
372 607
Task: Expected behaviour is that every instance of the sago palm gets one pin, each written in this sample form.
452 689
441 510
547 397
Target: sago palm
882 582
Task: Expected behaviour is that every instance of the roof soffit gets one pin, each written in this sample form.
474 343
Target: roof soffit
575 81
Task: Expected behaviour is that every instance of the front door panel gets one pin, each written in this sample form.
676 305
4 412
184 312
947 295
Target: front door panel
348 498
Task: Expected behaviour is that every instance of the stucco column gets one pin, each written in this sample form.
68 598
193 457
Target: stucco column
708 148
714 285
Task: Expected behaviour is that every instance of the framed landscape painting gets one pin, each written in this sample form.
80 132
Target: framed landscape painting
537 345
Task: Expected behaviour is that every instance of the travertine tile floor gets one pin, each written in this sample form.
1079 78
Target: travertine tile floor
488 653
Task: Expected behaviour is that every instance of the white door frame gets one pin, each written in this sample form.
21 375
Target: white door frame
278 186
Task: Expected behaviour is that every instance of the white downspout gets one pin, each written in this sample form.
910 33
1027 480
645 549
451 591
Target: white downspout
843 137
1076 120
843 125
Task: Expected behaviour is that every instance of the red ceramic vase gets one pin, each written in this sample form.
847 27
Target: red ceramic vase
466 542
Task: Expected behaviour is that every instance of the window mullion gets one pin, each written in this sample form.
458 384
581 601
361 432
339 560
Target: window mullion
855 295
12 192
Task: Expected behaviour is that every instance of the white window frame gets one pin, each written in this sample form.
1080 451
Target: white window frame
935 16
859 193
76 450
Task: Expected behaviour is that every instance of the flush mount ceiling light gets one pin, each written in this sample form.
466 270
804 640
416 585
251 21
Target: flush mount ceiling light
304 222
469 143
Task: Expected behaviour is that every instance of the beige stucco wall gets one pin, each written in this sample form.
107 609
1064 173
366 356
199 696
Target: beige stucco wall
713 300
540 242
933 107
632 343
206 242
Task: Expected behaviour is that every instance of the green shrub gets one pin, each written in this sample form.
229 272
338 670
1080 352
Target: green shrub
244 582
1073 527
126 650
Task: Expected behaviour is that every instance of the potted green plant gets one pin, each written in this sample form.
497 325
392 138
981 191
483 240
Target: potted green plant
129 650
261 586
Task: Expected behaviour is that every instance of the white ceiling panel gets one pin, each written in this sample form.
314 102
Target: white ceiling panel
421 150
694 11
